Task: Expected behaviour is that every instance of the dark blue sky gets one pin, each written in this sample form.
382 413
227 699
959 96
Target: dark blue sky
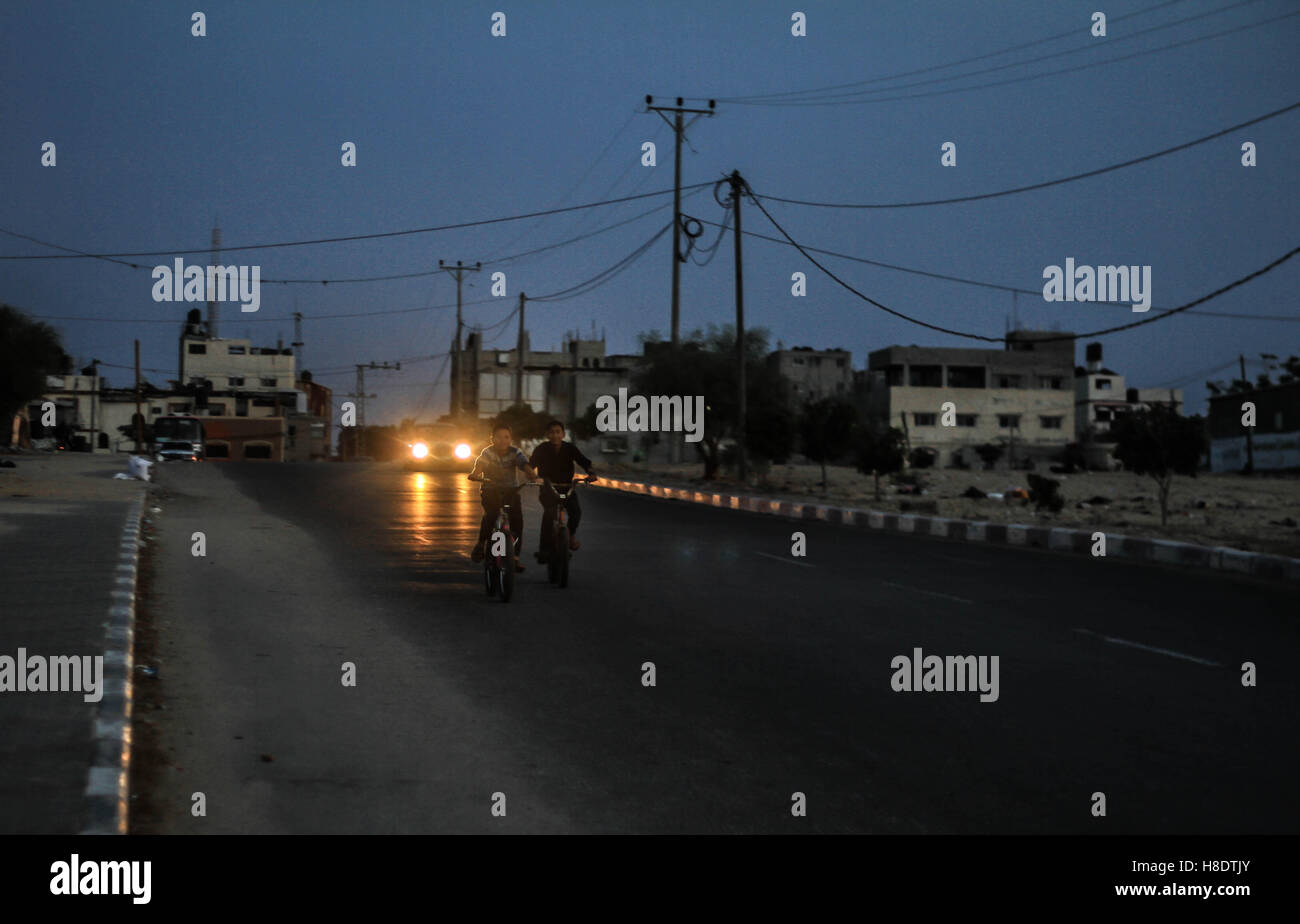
159 133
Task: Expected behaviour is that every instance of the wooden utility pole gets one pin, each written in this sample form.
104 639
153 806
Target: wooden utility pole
139 419
458 372
737 190
678 258
1250 443
519 353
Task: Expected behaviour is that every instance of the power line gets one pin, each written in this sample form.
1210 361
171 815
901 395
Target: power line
1070 33
1091 46
991 285
1044 185
78 254
956 333
1027 77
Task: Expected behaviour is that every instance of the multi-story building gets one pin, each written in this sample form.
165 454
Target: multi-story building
814 374
1019 396
1101 396
1274 441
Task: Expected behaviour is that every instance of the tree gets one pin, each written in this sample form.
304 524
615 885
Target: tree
705 364
524 422
1157 441
989 454
878 451
825 428
29 351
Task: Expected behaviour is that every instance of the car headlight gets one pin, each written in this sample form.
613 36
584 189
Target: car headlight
419 450
463 451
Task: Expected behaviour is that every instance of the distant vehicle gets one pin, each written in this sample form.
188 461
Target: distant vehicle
441 446
178 439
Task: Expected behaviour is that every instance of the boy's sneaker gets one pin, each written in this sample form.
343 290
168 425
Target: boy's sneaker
477 554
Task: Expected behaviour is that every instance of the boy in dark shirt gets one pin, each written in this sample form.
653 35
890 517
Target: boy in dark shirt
496 467
554 461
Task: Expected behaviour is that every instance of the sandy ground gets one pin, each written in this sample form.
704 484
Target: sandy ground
66 476
1260 513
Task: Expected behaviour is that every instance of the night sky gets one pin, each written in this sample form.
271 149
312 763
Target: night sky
160 134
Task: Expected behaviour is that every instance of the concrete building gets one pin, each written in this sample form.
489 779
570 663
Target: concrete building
1275 439
814 374
1101 396
560 383
1019 397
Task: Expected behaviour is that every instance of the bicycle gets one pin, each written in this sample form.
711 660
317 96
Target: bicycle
557 562
499 570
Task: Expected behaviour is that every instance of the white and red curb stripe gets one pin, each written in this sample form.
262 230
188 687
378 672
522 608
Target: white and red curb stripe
1130 548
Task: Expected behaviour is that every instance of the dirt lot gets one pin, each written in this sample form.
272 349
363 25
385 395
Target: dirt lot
66 476
1259 513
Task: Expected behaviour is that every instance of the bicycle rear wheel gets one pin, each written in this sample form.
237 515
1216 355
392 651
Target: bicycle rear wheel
560 555
508 571
490 578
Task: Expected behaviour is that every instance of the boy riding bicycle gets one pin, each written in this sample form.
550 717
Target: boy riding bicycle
496 466
554 460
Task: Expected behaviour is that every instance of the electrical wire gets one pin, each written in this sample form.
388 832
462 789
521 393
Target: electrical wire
1039 76
79 254
971 336
1091 46
1057 182
1070 33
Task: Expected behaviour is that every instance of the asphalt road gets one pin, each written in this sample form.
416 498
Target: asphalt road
772 674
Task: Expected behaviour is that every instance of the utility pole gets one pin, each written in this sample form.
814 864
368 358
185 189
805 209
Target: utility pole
361 396
297 337
457 372
1250 443
94 400
678 131
519 353
139 421
737 189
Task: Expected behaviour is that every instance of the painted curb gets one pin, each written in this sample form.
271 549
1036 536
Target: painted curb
107 796
1054 538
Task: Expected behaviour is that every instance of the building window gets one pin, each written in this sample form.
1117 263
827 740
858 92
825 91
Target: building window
1050 423
798 362
235 380
1010 381
925 376
1050 381
236 350
268 382
894 375
155 410
258 450
966 420
1103 413
965 376
195 348
264 402
216 409
840 363
217 450
1103 384
1009 421
924 420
